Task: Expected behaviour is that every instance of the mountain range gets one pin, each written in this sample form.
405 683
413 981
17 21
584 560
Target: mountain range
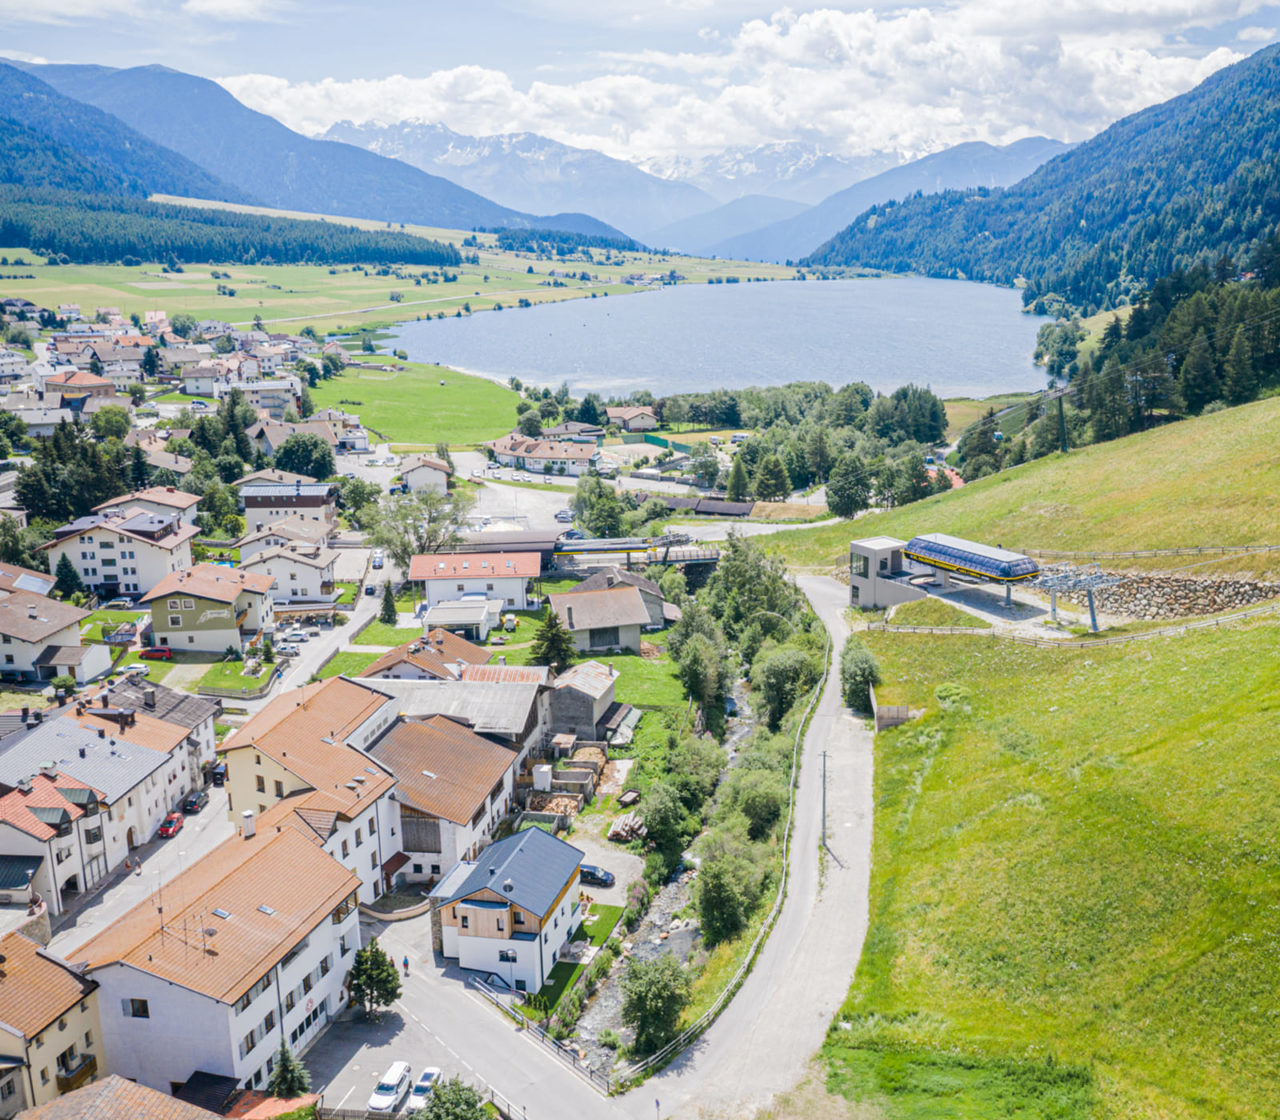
262 159
1193 178
966 165
530 172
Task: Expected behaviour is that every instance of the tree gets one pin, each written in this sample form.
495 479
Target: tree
859 673
453 1100
306 453
111 422
738 486
529 424
604 518
307 406
700 666
760 795
664 817
781 677
68 579
137 394
1198 379
849 487
1239 377
290 1078
182 323
552 644
817 454
704 464
218 510
410 525
771 483
375 980
912 482
388 613
654 994
675 412
150 364
719 900
589 411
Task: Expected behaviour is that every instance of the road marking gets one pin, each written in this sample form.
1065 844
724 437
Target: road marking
345 1096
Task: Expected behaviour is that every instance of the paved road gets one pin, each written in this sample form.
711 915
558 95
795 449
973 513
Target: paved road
763 1041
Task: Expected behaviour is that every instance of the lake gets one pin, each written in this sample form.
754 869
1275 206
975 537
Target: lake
960 339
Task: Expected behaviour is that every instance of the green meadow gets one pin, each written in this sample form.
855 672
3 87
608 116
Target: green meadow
1074 903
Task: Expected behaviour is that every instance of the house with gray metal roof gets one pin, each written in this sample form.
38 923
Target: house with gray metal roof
512 911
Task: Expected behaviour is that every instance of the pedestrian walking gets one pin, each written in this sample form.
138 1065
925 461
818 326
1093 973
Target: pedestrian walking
406 966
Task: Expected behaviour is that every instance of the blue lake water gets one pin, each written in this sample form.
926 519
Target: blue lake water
958 338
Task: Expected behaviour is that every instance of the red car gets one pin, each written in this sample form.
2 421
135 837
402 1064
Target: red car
172 825
157 653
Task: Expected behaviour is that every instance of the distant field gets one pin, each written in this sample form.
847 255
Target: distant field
1073 899
1210 480
412 407
964 412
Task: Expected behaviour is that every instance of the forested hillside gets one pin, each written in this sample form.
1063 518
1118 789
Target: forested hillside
1195 178
94 228
50 140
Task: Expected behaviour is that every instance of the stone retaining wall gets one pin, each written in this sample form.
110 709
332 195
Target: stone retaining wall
1157 597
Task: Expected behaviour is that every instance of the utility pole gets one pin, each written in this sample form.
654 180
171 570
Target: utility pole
1062 426
824 799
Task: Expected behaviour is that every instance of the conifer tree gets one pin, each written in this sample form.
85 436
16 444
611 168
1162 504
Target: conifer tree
388 614
68 579
1198 379
1239 378
772 483
552 645
738 485
290 1078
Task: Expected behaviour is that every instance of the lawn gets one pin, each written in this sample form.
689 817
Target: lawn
642 682
1073 904
1204 481
964 412
348 590
935 612
156 670
227 674
348 662
600 928
91 628
381 634
411 406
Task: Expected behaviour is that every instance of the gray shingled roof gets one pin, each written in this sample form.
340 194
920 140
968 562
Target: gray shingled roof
535 864
170 705
500 708
109 765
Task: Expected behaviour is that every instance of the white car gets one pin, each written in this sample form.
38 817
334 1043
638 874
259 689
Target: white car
422 1089
391 1090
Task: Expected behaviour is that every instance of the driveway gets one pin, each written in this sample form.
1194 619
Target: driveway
626 866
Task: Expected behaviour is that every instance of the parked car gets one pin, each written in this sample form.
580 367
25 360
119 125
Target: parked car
369 589
593 876
377 558
157 653
572 535
422 1089
118 605
392 1089
199 404
564 515
195 801
171 825
287 649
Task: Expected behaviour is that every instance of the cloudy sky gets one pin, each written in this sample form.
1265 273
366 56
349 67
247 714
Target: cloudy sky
658 79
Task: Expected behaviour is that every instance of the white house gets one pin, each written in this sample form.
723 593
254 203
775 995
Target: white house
276 396
495 575
252 948
603 620
287 530
40 638
267 502
12 364
301 761
302 573
198 714
454 789
512 910
424 473
123 550
102 778
157 499
438 655
633 418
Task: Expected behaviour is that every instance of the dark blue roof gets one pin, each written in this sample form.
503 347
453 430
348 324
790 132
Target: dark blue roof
970 557
533 864
13 871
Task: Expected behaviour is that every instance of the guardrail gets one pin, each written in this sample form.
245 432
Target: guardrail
1141 553
694 1029
1083 643
599 1081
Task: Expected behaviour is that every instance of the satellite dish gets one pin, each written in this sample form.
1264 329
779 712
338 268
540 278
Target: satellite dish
210 931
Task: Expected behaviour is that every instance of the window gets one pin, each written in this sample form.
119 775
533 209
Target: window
175 620
269 1023
7 1090
345 849
44 1075
88 1039
500 925
464 921
8 659
517 917
373 861
135 1008
288 1002
279 789
507 956
67 1059
262 784
191 639
417 869
359 838
174 604
435 869
187 605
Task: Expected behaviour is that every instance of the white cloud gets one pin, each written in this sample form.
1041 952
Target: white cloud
235 11
66 11
1257 34
912 80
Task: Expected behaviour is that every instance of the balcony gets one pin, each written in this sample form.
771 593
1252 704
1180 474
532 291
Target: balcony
78 1075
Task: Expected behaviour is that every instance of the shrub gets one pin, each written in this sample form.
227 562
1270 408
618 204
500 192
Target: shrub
64 683
610 1039
859 673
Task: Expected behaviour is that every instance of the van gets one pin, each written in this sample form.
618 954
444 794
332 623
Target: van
288 649
312 632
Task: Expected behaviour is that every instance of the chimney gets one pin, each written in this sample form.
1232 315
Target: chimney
31 610
106 700
569 613
82 752
502 659
102 732
25 712
169 489
250 825
149 697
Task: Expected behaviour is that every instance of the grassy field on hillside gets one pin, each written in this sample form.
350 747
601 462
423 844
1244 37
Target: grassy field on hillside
412 408
963 412
1210 480
935 612
1074 907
